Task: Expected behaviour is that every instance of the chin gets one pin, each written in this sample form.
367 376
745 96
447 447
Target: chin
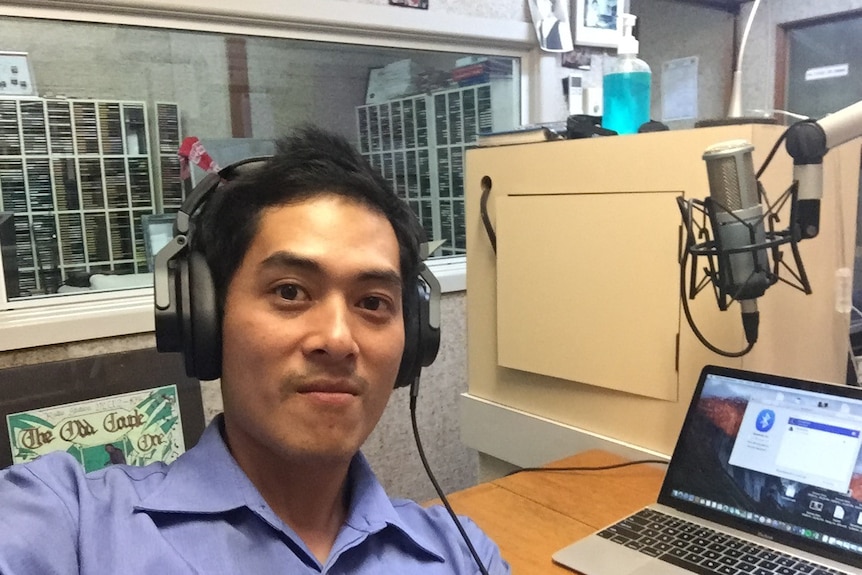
332 444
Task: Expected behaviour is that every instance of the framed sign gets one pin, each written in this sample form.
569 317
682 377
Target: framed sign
137 428
132 407
596 23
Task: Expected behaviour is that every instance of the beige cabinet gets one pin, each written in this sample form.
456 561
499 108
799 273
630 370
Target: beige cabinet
577 317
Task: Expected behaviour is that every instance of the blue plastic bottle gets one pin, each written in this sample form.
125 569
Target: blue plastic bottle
626 87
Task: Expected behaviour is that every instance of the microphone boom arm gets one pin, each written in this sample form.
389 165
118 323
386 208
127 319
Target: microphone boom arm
807 143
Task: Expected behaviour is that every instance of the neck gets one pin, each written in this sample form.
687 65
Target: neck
309 494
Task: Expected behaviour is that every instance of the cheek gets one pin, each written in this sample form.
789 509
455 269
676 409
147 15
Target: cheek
395 349
249 342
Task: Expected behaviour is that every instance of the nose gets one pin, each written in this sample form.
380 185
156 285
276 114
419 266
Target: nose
331 333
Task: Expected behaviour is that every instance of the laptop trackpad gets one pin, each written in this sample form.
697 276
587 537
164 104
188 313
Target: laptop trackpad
597 556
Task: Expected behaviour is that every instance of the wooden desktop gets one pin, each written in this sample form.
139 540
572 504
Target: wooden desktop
533 514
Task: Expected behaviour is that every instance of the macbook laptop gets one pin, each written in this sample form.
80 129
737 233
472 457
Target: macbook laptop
766 478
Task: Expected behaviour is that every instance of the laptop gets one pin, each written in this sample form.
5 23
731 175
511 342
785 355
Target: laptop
766 478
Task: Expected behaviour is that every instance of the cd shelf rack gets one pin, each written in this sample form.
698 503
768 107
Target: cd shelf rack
168 135
77 176
419 143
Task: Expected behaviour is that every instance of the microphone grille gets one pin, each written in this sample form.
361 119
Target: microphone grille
730 171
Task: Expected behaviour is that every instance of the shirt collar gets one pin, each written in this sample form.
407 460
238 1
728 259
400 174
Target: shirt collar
371 510
204 479
207 479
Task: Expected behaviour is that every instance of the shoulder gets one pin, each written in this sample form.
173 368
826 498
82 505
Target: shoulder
58 475
436 524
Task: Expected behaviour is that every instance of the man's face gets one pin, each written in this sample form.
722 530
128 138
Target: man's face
313 331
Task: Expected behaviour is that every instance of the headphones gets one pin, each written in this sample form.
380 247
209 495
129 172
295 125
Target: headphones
187 313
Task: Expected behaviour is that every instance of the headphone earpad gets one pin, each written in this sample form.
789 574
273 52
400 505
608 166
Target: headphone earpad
204 336
429 336
421 340
409 368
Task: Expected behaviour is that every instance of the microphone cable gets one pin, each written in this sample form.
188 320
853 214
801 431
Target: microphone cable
414 394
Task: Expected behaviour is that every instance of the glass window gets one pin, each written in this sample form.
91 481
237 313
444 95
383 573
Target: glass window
94 153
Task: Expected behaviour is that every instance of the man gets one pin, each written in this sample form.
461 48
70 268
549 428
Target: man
313 259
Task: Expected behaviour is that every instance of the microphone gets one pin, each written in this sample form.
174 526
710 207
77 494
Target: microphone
737 217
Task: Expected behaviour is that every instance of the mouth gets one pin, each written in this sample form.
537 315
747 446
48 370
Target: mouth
330 392
329 387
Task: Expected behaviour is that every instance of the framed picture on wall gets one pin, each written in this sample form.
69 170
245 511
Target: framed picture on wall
131 407
596 23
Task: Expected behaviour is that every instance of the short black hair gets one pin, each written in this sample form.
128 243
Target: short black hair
309 162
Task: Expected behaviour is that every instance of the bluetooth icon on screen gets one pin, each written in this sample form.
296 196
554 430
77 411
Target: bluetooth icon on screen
765 420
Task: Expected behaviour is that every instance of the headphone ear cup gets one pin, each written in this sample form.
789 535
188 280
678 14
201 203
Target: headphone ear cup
421 339
204 335
409 359
429 336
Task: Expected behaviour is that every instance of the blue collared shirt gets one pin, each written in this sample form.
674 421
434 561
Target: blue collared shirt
201 514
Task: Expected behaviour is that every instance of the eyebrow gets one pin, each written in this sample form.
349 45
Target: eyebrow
284 259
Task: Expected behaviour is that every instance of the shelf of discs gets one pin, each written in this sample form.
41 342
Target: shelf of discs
76 175
419 142
168 135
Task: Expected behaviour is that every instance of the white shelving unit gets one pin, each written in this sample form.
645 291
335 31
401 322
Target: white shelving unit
418 144
78 177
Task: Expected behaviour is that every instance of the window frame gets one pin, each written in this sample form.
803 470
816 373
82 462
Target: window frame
81 317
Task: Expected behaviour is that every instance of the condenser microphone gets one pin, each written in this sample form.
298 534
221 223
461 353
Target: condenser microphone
736 215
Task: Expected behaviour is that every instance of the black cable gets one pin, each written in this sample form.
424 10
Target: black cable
774 149
683 297
483 209
598 468
414 393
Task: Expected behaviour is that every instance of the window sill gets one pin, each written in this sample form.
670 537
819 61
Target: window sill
132 313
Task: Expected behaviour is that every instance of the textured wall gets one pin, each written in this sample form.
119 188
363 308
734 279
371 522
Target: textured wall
670 30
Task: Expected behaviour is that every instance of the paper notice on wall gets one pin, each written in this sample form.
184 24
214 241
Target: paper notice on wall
679 89
136 428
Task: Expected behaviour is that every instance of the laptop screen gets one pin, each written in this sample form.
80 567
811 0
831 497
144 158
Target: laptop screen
774 456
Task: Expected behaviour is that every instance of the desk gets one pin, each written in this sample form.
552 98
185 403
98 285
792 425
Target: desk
532 515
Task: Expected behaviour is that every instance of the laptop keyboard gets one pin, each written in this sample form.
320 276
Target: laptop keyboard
703 550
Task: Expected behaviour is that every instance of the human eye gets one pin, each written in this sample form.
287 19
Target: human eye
377 304
291 292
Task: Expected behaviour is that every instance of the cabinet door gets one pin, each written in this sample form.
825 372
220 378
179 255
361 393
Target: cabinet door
587 289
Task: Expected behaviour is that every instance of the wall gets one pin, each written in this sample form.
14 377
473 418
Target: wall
144 64
669 30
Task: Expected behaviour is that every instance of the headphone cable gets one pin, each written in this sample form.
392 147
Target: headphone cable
414 393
